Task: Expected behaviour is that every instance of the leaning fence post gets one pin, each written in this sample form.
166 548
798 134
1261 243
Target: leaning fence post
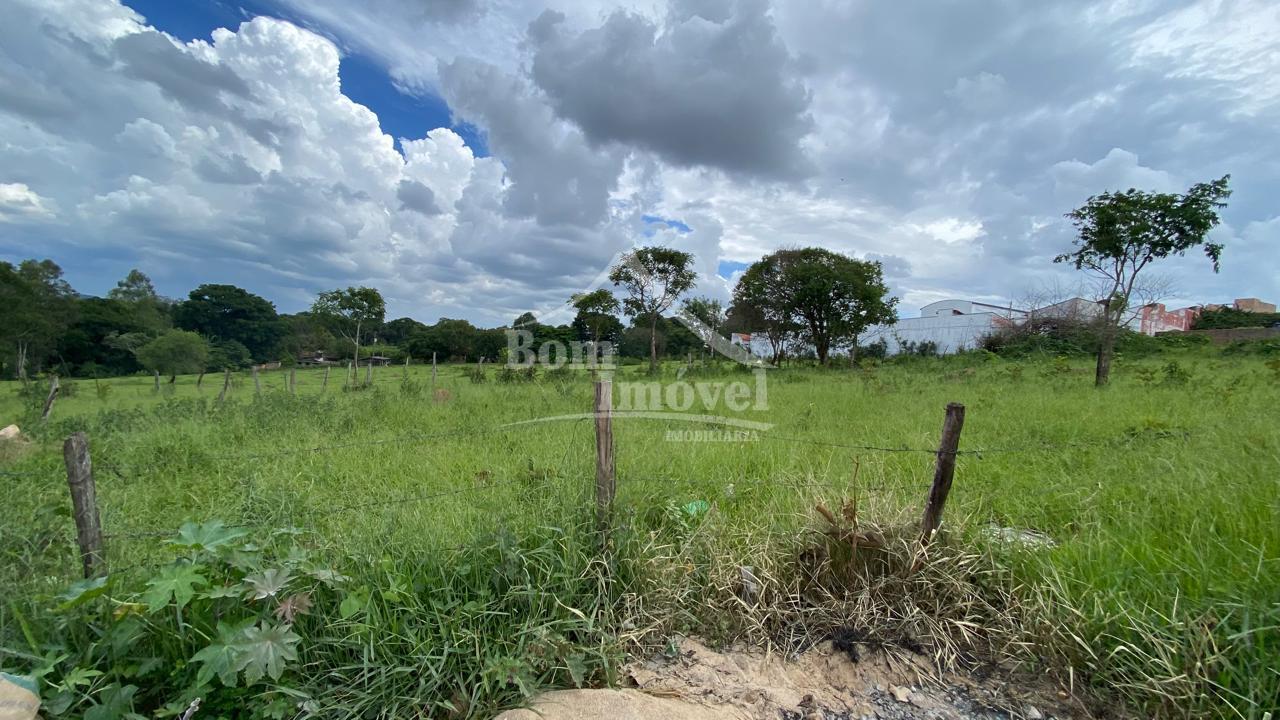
257 383
943 472
324 385
53 395
84 502
606 480
226 383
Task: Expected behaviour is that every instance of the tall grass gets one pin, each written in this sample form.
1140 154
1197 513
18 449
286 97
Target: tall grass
1160 494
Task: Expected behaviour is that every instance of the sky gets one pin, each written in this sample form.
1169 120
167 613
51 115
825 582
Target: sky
481 158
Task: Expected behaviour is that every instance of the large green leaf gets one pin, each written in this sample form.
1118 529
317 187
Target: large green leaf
222 656
206 536
269 583
265 650
177 582
82 592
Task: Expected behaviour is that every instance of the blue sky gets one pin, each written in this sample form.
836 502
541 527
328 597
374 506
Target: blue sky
401 114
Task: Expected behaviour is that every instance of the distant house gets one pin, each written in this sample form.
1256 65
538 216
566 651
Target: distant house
1253 305
316 358
378 360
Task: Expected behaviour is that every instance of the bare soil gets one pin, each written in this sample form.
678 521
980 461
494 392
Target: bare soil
695 682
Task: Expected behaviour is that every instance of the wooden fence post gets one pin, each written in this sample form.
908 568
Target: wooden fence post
48 402
433 372
368 373
324 385
157 372
199 379
943 472
226 383
257 382
293 381
84 501
606 480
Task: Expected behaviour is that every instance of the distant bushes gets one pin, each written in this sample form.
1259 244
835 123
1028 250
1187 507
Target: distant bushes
1044 336
1227 318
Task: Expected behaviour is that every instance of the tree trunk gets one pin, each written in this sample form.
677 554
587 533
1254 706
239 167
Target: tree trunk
1106 348
653 345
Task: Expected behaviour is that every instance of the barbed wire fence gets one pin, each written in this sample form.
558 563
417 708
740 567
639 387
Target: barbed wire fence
92 539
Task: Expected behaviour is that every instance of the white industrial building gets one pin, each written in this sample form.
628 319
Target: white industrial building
951 325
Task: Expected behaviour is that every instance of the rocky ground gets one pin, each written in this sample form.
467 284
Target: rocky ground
696 683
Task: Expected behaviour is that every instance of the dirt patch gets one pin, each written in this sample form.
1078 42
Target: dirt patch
856 681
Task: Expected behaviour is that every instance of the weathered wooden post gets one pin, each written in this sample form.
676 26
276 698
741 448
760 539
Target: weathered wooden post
84 502
433 372
48 402
157 372
257 382
606 480
325 384
293 381
943 472
368 373
226 383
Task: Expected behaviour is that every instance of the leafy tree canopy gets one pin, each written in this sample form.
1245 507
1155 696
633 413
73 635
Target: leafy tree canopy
654 278
175 352
226 312
826 297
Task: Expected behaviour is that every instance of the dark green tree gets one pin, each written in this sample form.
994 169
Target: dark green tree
38 306
226 312
91 343
450 339
1120 234
397 331
175 352
596 320
654 278
828 298
138 293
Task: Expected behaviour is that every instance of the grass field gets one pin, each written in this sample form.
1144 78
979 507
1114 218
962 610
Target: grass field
470 575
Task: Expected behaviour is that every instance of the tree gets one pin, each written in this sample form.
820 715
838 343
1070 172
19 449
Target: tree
226 312
449 338
710 313
596 319
174 352
1121 233
135 287
93 342
137 293
38 306
828 298
399 330
351 313
654 277
526 321
225 354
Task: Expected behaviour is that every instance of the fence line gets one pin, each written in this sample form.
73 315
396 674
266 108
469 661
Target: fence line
90 535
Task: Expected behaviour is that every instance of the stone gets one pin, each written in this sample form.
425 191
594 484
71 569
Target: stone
901 694
10 433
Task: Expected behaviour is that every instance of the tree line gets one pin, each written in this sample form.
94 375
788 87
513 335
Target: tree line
811 296
808 300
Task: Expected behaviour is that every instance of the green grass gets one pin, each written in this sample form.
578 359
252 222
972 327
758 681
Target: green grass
1161 497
